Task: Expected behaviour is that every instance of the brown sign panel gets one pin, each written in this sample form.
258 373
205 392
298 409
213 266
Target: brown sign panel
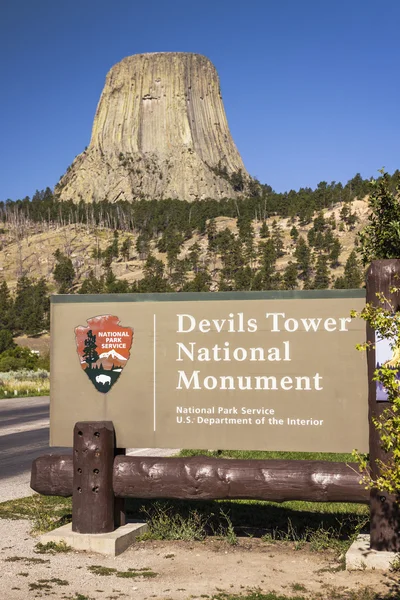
257 371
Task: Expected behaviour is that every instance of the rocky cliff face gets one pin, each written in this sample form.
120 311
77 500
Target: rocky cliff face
160 131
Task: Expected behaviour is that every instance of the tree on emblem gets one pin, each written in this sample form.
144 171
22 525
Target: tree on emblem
90 352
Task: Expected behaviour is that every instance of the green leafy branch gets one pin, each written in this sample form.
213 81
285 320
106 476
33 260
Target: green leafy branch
381 237
386 322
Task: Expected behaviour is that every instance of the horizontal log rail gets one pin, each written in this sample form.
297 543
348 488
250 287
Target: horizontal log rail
206 478
52 475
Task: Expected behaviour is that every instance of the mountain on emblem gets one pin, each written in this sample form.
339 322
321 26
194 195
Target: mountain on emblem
103 349
113 354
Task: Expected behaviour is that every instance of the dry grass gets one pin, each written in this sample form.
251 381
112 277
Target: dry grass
24 383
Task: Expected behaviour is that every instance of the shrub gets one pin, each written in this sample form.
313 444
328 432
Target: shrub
18 358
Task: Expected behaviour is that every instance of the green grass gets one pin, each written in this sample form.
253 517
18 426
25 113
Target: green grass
298 587
27 560
100 570
321 525
45 512
166 523
263 455
47 584
129 574
52 548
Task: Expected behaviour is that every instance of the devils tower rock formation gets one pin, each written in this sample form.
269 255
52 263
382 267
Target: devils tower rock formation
160 131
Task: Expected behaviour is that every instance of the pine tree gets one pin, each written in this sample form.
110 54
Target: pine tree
294 234
194 256
344 212
110 280
40 311
143 246
319 243
125 248
244 278
178 277
352 220
232 259
264 230
200 283
322 279
268 258
64 272
223 284
223 241
31 306
352 272
6 306
114 245
277 239
319 223
340 283
211 235
290 276
307 283
335 253
329 240
6 340
173 248
245 229
311 237
92 285
306 212
237 180
90 351
153 280
303 255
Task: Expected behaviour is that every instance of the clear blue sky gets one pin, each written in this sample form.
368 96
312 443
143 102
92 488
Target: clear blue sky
311 87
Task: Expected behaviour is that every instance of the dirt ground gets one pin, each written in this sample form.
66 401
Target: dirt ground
176 571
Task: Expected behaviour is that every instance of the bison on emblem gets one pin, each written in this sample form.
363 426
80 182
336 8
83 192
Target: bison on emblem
103 349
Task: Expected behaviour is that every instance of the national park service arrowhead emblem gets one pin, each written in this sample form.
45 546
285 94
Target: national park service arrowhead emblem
103 349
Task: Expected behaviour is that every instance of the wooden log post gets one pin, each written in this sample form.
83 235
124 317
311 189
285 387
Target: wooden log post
119 503
382 276
92 494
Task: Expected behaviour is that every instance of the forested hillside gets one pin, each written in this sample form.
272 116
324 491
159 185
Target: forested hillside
298 240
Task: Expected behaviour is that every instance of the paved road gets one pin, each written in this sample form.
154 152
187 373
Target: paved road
24 435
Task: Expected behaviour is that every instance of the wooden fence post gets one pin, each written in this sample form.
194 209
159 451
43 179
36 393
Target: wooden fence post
93 495
382 275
